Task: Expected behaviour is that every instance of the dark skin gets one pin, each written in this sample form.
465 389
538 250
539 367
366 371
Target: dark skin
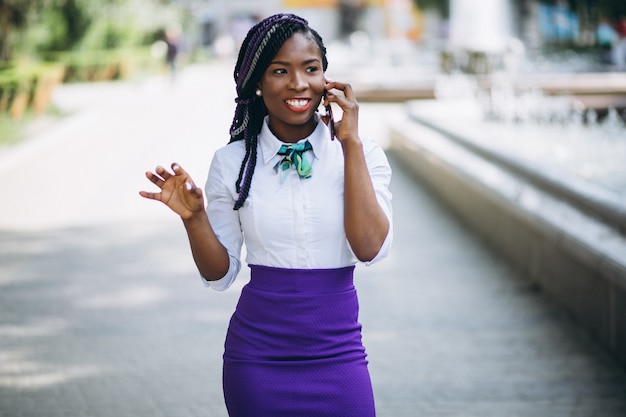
291 87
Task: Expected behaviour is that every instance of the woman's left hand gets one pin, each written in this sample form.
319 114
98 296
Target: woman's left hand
348 127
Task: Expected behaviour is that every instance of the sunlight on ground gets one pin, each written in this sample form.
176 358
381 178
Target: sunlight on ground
18 371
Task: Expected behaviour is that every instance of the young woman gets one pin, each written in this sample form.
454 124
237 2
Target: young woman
310 201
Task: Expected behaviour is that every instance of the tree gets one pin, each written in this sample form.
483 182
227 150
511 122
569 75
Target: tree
13 18
442 6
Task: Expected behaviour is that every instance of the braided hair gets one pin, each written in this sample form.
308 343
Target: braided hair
257 51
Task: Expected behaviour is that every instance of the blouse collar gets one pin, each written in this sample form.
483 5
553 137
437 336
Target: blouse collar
270 144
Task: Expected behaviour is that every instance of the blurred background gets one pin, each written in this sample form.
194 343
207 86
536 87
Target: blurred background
46 42
503 120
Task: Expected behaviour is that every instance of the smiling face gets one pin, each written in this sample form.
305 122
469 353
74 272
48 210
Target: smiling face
292 88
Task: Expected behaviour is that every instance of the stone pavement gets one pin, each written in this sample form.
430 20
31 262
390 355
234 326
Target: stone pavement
102 312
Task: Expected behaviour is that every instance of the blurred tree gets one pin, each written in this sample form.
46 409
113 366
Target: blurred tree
442 6
124 23
30 27
13 18
64 23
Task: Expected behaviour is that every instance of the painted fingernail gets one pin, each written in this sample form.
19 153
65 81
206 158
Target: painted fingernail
188 186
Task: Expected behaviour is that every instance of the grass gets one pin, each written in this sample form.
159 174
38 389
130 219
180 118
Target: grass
14 131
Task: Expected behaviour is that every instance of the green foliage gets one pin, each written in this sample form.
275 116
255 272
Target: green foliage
13 17
27 86
101 65
77 21
113 34
442 6
31 27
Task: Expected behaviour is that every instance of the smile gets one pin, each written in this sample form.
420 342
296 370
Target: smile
298 105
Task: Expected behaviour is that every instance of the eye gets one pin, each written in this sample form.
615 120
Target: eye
312 69
279 71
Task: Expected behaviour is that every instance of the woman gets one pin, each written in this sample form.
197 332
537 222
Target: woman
308 208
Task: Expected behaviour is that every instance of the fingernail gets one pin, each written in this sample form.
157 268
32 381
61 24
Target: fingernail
188 186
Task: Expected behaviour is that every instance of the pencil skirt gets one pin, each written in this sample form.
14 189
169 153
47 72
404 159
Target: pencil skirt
294 348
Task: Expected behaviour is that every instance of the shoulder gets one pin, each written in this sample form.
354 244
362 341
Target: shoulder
227 160
373 151
232 150
229 154
369 144
224 169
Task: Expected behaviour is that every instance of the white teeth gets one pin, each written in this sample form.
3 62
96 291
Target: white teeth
297 103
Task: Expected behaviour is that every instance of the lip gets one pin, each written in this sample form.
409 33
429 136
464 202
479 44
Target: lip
298 104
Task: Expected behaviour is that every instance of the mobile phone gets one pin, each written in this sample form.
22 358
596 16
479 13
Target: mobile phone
331 120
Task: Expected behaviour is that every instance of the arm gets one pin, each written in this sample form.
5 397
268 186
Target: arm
181 195
365 222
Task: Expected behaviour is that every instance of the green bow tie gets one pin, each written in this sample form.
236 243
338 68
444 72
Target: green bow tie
292 155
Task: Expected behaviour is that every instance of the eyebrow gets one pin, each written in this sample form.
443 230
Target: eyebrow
306 62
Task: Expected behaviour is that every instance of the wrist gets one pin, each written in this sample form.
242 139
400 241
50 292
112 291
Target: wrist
351 142
193 216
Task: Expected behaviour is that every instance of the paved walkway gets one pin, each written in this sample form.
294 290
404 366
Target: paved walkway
102 312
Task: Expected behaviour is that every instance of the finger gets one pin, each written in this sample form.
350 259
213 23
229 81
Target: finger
198 192
344 101
195 191
332 96
155 179
178 170
344 104
163 172
192 188
348 92
345 88
150 196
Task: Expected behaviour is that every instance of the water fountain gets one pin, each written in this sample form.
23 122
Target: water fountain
511 114
481 38
537 172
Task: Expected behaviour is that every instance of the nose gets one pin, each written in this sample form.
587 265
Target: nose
298 81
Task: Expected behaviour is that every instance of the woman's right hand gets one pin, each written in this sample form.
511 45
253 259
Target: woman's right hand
178 191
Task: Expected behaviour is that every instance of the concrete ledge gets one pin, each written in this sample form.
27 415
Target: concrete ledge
581 193
578 259
598 91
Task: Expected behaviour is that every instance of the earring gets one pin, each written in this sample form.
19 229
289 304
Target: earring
258 92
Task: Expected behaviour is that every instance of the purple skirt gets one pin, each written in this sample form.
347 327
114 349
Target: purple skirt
293 347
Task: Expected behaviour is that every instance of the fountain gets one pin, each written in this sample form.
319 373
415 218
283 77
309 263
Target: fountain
513 113
529 162
480 39
485 28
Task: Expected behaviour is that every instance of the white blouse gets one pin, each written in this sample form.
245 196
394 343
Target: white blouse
288 221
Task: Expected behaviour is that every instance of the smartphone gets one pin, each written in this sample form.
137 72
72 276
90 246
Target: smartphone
331 120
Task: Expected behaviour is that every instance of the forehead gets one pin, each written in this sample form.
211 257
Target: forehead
298 46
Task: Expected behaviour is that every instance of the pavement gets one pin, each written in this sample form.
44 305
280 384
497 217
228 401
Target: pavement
103 314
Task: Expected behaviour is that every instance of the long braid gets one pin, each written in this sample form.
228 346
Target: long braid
257 50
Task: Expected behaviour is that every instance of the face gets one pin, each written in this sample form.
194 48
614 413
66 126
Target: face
292 88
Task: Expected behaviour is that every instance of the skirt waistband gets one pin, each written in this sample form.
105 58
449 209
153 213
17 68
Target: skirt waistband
301 280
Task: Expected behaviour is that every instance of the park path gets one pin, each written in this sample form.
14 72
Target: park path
102 312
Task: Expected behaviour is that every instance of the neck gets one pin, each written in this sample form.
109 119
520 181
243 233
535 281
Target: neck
290 133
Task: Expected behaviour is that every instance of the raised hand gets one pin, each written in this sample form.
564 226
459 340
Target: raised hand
360 203
178 191
348 127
